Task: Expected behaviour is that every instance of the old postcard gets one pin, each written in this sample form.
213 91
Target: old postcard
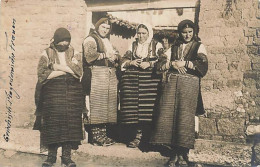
129 83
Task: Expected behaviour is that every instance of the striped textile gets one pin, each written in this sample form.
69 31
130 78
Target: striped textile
174 122
62 105
103 95
138 96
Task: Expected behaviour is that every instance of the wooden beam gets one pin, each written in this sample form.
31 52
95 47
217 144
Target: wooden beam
158 4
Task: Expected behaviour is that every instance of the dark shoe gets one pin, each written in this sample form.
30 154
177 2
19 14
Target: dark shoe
49 162
186 159
136 142
173 162
67 162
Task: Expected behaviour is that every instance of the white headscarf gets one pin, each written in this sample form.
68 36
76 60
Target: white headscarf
142 49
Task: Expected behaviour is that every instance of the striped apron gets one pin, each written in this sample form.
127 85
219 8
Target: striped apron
138 95
103 95
62 105
174 122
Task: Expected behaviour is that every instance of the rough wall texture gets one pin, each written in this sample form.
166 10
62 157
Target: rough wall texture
230 31
35 23
231 34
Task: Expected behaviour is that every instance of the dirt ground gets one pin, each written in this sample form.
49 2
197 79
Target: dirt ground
10 158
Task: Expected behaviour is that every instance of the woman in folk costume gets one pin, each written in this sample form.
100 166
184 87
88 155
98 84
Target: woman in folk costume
139 83
181 96
59 99
100 60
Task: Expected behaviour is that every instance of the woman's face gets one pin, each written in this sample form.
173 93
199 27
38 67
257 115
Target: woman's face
142 35
103 30
62 46
187 34
165 42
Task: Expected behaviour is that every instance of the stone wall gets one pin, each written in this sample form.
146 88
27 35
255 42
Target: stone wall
35 23
230 31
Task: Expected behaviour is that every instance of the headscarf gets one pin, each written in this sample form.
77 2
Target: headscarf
150 32
101 21
108 47
61 34
142 49
188 23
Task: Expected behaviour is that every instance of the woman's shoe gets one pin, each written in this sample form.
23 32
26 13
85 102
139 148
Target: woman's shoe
134 144
67 162
186 159
172 162
49 162
108 141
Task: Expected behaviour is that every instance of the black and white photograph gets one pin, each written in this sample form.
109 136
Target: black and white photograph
130 83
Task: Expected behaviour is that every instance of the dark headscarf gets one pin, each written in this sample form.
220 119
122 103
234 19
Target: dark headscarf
61 34
101 21
188 23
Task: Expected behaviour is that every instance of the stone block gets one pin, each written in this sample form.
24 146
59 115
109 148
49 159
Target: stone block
232 58
248 13
231 127
216 58
232 40
213 114
206 85
249 83
243 4
256 41
227 138
251 74
239 140
233 66
253 24
207 126
219 84
252 50
216 50
250 41
213 74
221 66
256 66
207 137
258 32
219 138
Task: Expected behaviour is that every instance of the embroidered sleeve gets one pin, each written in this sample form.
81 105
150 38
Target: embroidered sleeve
126 59
76 64
44 68
90 50
201 63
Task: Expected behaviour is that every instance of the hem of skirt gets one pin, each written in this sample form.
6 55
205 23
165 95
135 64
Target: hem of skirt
106 123
170 145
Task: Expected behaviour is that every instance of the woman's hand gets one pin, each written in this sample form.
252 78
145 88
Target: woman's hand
180 66
136 62
145 65
182 70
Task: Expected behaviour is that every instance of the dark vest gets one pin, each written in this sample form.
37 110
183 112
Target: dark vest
53 57
190 56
